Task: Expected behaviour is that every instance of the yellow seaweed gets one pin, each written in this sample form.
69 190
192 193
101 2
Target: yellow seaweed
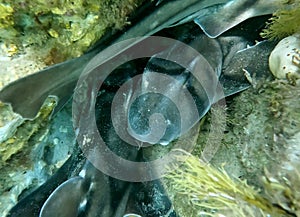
213 193
283 23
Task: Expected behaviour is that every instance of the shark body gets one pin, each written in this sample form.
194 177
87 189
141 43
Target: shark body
213 16
61 79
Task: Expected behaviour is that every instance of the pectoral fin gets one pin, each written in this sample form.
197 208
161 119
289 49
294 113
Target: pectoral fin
65 200
217 19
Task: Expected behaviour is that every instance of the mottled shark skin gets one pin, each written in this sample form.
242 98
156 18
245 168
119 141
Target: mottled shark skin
89 194
174 103
58 187
27 95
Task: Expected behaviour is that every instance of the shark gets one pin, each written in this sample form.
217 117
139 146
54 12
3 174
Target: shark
214 18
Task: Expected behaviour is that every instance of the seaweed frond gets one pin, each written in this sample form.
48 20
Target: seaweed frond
283 23
214 193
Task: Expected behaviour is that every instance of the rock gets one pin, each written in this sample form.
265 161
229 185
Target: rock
284 61
9 121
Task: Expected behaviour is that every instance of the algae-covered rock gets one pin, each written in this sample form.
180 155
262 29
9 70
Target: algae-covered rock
31 150
202 190
9 121
262 121
60 30
260 145
20 137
